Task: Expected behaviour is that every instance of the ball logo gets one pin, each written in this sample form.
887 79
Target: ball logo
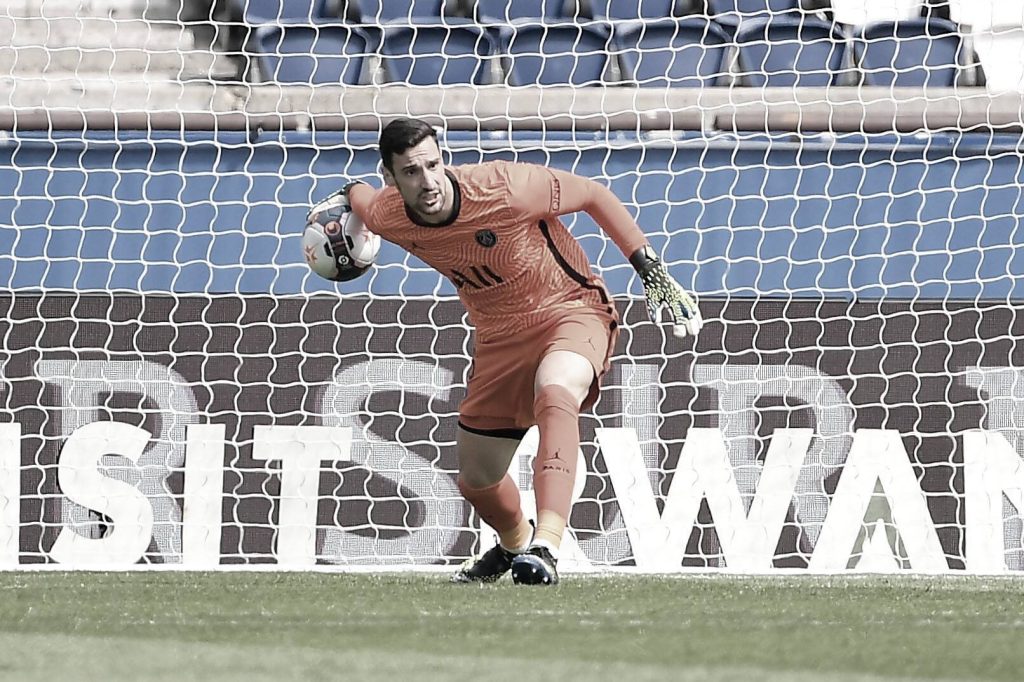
486 238
332 228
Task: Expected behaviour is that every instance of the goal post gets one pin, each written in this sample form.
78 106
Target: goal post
179 390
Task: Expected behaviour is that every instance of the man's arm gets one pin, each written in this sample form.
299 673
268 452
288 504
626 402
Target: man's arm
576 193
360 198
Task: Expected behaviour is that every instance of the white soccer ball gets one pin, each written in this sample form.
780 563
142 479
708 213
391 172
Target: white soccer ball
336 242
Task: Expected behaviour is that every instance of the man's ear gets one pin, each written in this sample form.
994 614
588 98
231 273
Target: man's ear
389 178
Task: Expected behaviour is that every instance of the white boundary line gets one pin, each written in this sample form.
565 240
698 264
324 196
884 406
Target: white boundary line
420 569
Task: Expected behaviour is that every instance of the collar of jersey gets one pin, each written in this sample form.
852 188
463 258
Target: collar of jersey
456 205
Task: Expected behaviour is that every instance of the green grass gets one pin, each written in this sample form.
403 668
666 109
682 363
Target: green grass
325 626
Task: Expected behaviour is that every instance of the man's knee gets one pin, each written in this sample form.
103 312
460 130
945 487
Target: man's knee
556 397
568 370
483 460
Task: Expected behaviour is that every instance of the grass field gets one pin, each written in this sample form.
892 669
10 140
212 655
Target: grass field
327 626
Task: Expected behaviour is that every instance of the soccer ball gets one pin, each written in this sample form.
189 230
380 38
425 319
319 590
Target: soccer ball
336 243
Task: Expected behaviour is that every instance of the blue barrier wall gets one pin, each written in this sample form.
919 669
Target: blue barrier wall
855 216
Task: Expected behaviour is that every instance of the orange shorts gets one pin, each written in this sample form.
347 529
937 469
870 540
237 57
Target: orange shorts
499 395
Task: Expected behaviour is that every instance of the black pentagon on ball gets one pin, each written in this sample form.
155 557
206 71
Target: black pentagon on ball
347 268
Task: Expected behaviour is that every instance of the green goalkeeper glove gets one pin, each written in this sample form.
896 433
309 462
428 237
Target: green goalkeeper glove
664 292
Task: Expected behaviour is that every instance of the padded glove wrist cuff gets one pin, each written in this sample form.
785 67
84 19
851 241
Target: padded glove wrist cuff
644 260
349 185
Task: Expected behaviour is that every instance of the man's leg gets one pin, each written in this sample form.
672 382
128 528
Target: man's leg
485 482
562 382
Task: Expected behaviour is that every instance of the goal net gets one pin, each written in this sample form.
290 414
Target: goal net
839 184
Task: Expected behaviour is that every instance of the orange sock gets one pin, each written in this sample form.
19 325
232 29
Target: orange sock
517 539
554 470
498 505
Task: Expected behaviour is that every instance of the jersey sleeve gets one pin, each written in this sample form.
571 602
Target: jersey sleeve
363 200
534 191
538 192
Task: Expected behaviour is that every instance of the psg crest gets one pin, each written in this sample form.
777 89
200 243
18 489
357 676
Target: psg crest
486 238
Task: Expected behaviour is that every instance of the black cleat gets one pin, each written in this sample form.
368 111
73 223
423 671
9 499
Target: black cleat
535 567
485 568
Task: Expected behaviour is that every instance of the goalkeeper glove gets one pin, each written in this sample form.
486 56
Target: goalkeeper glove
664 292
343 192
332 199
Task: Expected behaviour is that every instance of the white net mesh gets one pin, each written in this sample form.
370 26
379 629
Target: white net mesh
840 185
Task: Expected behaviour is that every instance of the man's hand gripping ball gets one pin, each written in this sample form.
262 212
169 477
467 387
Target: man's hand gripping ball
663 292
336 243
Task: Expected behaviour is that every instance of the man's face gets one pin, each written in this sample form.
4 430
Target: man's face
419 175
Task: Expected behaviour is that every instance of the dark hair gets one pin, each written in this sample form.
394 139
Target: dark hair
402 134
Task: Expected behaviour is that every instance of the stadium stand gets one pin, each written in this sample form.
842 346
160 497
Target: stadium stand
282 43
756 43
627 10
654 43
320 55
427 53
496 12
555 54
260 12
67 40
688 52
382 11
910 52
217 25
731 14
786 51
751 9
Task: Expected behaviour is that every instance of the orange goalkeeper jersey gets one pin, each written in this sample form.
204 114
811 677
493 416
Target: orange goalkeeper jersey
511 259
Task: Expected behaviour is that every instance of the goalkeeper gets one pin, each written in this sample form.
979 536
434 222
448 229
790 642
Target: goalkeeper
545 324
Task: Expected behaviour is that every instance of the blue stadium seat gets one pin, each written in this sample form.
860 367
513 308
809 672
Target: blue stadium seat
671 53
628 10
314 54
382 11
729 14
554 53
751 9
503 11
790 51
259 12
428 53
913 52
